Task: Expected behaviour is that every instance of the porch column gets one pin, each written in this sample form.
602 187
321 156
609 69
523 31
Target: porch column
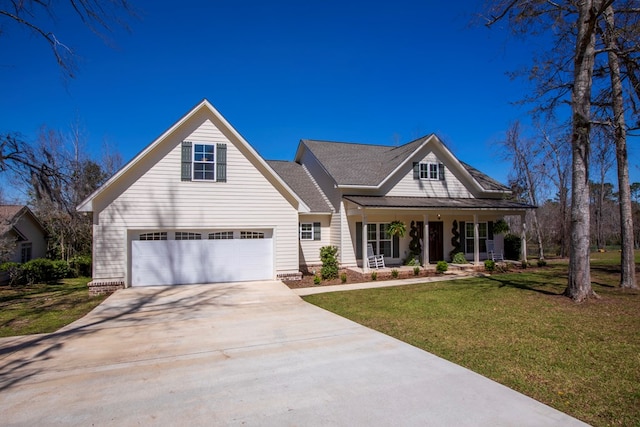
365 234
425 241
523 238
476 240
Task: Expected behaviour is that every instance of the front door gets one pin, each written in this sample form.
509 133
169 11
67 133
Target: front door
435 242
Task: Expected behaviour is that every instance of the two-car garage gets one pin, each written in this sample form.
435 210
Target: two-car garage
187 257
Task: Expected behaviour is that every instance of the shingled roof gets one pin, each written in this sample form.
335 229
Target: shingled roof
8 214
300 181
369 165
435 202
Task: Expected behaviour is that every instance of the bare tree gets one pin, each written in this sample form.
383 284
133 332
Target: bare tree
603 158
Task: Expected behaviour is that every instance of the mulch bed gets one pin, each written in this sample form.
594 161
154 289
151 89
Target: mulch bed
356 277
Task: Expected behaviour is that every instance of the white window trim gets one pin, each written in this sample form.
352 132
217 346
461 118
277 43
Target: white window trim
480 238
194 162
310 231
425 167
376 243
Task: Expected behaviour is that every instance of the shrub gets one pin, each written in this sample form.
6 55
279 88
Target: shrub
542 263
343 277
374 275
316 280
14 270
524 264
394 273
60 270
329 262
81 265
38 270
412 260
458 258
442 266
416 271
490 265
512 246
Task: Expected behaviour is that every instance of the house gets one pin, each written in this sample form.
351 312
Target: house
22 236
200 205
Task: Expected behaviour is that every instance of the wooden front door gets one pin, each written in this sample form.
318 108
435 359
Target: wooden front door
436 242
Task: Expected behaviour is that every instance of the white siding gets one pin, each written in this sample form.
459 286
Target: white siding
409 187
157 199
310 249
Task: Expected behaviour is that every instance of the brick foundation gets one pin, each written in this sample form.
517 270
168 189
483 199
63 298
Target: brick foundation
98 287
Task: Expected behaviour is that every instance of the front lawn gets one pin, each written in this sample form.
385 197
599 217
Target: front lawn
44 308
517 329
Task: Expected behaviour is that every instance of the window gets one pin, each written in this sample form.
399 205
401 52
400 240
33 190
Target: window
429 171
482 237
310 231
187 236
204 165
251 235
380 239
25 252
154 236
306 231
203 162
221 235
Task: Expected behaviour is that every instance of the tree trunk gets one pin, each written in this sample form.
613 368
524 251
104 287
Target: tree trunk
627 262
579 283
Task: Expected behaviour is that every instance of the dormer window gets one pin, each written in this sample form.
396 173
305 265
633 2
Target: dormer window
428 171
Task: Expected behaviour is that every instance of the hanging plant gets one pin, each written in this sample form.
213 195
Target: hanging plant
500 226
397 228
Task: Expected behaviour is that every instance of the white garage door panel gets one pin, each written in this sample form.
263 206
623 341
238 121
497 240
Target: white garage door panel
167 262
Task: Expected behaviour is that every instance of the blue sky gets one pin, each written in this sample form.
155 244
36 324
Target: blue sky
371 72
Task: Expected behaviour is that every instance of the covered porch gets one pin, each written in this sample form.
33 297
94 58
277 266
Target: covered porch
451 226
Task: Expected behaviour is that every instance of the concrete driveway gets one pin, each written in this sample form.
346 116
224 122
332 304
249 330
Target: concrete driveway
241 354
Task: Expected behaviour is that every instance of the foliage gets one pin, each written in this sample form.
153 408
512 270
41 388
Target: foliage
500 226
416 271
412 259
542 263
394 273
512 245
489 265
316 280
343 277
397 228
81 265
455 239
374 275
329 262
7 247
513 329
14 270
414 243
442 266
458 258
44 308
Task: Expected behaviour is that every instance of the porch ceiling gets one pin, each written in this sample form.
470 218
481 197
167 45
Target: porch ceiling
436 203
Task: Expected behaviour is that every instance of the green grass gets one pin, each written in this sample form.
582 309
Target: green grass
516 328
44 308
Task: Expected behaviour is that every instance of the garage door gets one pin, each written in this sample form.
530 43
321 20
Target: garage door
174 262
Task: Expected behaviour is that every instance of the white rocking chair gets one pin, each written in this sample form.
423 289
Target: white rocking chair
375 261
492 253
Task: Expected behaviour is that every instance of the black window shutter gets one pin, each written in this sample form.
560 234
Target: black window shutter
358 240
221 162
441 171
416 170
186 161
396 246
463 237
490 230
316 231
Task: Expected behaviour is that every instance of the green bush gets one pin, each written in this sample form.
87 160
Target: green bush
316 280
343 277
442 266
416 271
329 262
542 263
458 258
490 265
512 246
394 273
14 270
60 270
374 275
412 260
81 265
38 270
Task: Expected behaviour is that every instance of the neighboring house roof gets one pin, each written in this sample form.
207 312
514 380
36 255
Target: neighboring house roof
299 180
208 109
352 164
435 202
9 216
